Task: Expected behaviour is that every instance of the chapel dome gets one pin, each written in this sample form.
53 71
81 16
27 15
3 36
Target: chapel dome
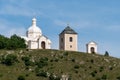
34 28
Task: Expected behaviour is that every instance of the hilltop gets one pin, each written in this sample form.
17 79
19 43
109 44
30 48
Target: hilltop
52 64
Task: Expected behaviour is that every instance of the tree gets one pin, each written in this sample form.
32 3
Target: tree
16 42
106 53
3 42
13 42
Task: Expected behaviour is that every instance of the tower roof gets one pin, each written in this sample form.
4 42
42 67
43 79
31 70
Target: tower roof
68 30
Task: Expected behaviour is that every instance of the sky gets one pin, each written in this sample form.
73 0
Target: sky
93 20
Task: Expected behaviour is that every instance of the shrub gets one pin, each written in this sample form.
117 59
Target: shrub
76 71
65 53
53 77
73 60
111 68
90 67
76 66
101 69
27 61
42 62
118 78
56 59
92 74
106 53
9 60
98 78
21 77
1 75
92 61
104 77
42 73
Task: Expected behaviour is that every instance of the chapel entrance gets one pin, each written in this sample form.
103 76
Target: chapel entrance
92 50
43 45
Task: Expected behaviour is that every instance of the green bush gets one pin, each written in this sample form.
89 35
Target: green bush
52 77
21 77
65 53
106 53
42 62
118 78
1 75
104 77
76 67
9 60
42 73
101 69
92 61
73 60
56 59
27 61
93 74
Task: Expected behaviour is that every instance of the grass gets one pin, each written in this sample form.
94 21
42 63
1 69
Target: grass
77 65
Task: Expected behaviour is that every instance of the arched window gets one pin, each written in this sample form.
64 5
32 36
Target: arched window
43 45
70 39
92 50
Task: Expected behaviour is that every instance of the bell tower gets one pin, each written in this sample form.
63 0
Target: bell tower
68 39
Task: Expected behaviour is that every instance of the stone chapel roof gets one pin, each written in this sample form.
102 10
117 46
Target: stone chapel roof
91 42
68 30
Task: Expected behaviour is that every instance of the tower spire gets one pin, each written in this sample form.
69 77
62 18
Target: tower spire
34 22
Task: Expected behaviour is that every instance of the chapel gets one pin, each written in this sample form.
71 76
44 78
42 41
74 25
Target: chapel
35 39
91 47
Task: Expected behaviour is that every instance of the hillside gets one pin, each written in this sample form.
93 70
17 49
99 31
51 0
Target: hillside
46 64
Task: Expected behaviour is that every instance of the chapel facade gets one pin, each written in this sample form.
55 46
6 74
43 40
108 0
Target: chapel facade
35 39
68 40
91 47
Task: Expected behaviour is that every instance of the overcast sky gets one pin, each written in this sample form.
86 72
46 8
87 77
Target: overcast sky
93 20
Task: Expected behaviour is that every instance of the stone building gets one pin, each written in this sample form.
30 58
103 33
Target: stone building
35 39
68 40
91 47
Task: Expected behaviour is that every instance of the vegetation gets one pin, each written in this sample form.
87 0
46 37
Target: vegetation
22 64
14 42
106 53
21 77
9 59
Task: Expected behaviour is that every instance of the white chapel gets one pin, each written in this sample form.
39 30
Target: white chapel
91 47
35 39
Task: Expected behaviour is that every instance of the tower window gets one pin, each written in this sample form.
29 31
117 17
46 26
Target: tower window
70 39
70 46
